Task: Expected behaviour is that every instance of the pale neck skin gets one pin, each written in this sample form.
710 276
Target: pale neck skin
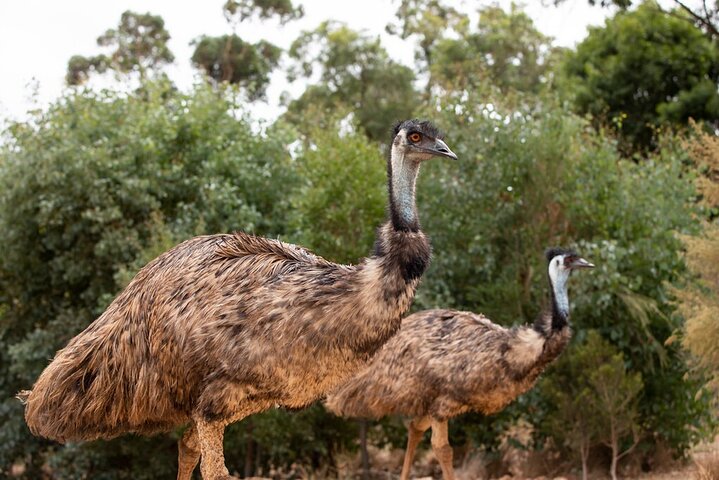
558 277
402 186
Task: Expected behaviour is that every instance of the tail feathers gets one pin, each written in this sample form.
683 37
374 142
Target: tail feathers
333 405
349 402
23 395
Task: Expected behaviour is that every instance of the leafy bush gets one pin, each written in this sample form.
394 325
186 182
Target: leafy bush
593 401
536 177
91 190
643 69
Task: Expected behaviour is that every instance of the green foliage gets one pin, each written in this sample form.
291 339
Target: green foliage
705 15
310 437
356 75
101 182
604 3
230 59
342 196
429 21
91 190
593 400
643 69
139 43
242 10
537 177
505 50
698 300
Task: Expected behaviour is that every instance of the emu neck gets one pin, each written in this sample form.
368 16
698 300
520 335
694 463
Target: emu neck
560 300
402 178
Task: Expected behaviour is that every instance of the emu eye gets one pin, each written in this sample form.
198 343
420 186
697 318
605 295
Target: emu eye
415 137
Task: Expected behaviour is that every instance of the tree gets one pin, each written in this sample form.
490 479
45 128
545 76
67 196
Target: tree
229 58
428 21
138 44
593 399
615 398
642 70
535 176
505 50
705 17
241 10
356 76
342 195
699 299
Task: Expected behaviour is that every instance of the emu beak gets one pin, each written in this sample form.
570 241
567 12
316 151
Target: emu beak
441 149
581 263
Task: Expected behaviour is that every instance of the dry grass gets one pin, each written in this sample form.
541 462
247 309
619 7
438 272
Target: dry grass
707 465
518 464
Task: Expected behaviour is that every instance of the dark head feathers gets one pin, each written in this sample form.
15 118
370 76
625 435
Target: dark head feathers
554 251
425 127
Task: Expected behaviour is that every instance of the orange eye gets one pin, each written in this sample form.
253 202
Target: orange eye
415 137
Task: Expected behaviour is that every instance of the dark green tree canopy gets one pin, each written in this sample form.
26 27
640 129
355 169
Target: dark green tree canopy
706 16
505 49
355 75
642 69
241 10
428 20
230 59
139 43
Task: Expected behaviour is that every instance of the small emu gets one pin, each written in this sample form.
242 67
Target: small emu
444 363
224 326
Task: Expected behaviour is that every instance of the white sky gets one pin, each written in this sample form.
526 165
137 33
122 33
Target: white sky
37 37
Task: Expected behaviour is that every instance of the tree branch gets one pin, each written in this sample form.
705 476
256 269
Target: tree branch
637 438
714 32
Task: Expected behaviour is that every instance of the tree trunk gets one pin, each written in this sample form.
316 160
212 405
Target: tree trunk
584 452
227 68
363 449
615 458
249 469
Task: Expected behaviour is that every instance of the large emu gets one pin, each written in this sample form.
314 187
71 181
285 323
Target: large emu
224 326
445 362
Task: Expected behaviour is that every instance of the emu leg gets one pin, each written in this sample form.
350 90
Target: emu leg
415 431
210 435
189 453
442 449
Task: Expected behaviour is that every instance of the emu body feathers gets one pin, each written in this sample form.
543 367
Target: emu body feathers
218 321
443 363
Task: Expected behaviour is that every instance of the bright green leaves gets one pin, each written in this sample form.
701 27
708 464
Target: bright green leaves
356 76
138 44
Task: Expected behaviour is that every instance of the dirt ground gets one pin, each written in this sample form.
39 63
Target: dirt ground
702 464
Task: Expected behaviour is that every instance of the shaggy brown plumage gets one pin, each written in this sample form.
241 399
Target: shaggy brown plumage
224 326
444 363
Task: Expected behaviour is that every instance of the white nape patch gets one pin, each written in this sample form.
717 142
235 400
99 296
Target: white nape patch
559 274
404 176
527 347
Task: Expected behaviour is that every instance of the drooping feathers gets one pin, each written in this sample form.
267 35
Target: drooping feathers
443 363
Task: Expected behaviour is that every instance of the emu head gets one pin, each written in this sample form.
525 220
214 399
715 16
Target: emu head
418 141
561 264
